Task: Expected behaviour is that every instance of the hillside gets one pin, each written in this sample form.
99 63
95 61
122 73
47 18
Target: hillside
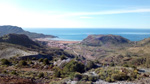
144 42
18 30
27 61
19 39
105 40
113 49
20 45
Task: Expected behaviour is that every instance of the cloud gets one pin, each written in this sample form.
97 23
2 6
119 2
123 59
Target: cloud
88 15
123 11
109 12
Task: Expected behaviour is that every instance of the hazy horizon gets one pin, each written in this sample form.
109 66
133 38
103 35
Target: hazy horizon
78 28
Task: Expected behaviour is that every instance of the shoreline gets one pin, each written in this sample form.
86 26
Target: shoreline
59 40
58 43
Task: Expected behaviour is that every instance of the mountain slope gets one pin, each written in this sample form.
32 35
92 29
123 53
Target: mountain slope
144 42
20 45
19 39
18 30
105 40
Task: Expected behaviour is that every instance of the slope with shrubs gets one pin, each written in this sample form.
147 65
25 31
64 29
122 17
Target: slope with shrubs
20 58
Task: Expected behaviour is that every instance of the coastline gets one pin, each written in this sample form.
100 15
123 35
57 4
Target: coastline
57 40
62 44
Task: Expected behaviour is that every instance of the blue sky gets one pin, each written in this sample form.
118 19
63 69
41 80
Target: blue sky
75 13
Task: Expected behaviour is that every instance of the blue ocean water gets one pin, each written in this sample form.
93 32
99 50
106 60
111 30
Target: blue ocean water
78 34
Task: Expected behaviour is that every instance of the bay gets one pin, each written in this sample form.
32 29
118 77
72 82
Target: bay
78 34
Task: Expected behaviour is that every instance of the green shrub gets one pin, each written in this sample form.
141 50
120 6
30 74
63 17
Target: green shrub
108 79
133 76
78 76
74 66
125 65
120 76
62 57
41 75
22 63
134 67
85 77
92 78
45 61
5 62
57 74
69 69
117 74
90 65
112 64
4 71
30 62
14 72
33 58
41 60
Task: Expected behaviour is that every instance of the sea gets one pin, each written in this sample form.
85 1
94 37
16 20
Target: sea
78 34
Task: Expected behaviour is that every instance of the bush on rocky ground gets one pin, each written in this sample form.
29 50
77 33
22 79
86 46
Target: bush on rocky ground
5 62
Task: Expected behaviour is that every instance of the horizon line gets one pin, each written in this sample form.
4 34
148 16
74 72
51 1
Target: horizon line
80 28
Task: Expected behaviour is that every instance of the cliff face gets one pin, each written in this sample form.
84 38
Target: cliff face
101 40
18 30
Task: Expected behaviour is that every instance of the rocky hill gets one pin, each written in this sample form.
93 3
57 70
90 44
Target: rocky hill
105 40
19 39
18 30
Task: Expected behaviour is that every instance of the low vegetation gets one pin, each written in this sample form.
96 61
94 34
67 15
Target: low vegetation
70 68
111 74
5 62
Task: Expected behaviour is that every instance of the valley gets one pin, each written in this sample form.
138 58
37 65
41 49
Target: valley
97 59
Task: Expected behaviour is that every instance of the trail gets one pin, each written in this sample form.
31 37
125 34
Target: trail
76 53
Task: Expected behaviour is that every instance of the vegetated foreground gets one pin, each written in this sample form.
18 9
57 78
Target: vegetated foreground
114 55
98 59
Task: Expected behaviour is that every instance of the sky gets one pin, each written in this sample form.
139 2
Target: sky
75 13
